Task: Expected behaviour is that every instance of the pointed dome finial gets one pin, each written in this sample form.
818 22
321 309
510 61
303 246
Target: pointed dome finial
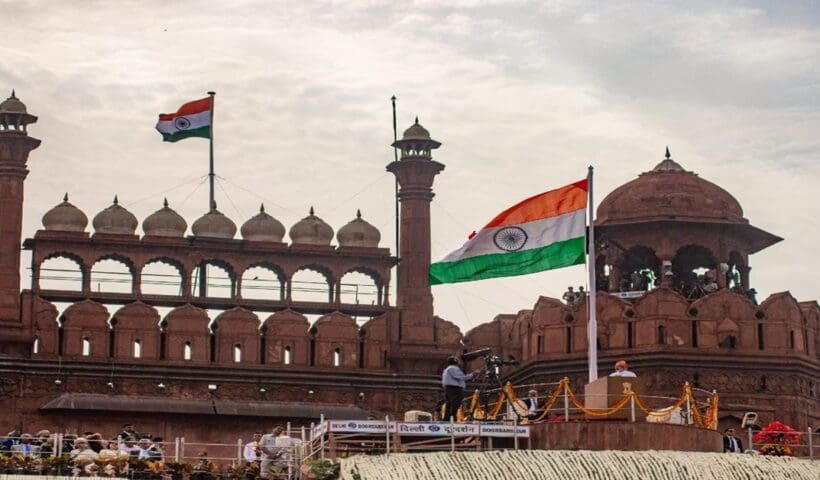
12 94
116 200
358 213
261 208
165 202
417 119
311 209
668 155
65 197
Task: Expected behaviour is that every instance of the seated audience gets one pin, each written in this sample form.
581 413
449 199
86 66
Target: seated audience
82 452
112 452
146 450
129 447
25 448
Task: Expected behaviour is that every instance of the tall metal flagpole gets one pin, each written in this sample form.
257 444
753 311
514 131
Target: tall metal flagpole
396 158
592 327
211 164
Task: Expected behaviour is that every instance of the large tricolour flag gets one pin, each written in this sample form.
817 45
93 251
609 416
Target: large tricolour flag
543 232
191 120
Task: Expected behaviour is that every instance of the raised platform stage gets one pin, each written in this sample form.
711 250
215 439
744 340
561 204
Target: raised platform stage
617 435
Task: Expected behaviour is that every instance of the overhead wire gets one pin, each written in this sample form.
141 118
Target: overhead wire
154 195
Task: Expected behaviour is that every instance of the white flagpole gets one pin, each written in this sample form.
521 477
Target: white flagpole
211 157
592 327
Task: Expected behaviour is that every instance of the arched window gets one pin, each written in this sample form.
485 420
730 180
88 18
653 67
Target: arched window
237 353
287 356
137 349
86 347
309 284
630 335
694 333
111 275
569 339
358 288
760 343
791 339
337 357
187 351
161 277
661 335
35 348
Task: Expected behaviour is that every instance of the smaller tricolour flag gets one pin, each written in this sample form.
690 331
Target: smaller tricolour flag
543 232
191 120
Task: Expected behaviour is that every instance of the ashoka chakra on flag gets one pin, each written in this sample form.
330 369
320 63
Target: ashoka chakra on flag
193 119
543 232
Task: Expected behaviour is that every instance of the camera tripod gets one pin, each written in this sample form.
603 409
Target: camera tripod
490 380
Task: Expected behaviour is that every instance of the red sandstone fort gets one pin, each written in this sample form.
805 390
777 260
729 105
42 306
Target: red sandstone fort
111 358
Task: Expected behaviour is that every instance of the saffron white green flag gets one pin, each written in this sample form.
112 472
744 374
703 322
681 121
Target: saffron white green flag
193 119
543 232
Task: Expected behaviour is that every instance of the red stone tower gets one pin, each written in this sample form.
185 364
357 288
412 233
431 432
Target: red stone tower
15 145
415 171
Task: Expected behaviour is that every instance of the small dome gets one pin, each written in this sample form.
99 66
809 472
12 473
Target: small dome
263 228
115 219
214 224
416 132
165 222
311 230
65 217
12 105
359 233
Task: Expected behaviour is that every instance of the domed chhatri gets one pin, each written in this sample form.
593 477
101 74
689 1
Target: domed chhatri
165 222
359 233
668 192
416 132
263 228
65 217
416 143
215 225
311 230
12 105
115 220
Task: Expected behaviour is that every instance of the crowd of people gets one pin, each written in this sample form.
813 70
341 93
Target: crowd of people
268 455
90 446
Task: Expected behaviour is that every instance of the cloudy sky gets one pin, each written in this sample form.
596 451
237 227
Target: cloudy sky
523 95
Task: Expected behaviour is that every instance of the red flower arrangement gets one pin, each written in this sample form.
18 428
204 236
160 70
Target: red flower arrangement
777 439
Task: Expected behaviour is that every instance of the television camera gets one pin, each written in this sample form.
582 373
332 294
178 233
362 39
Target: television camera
492 363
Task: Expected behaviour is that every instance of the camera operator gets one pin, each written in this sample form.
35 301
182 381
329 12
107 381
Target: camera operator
453 380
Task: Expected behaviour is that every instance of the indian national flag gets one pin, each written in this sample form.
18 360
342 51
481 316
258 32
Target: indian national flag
543 232
191 120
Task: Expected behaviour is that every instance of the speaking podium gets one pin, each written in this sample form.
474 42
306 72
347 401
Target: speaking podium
607 391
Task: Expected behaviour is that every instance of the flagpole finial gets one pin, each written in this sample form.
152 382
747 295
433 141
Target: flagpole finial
668 155
393 98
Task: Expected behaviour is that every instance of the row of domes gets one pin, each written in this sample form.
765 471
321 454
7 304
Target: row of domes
165 222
